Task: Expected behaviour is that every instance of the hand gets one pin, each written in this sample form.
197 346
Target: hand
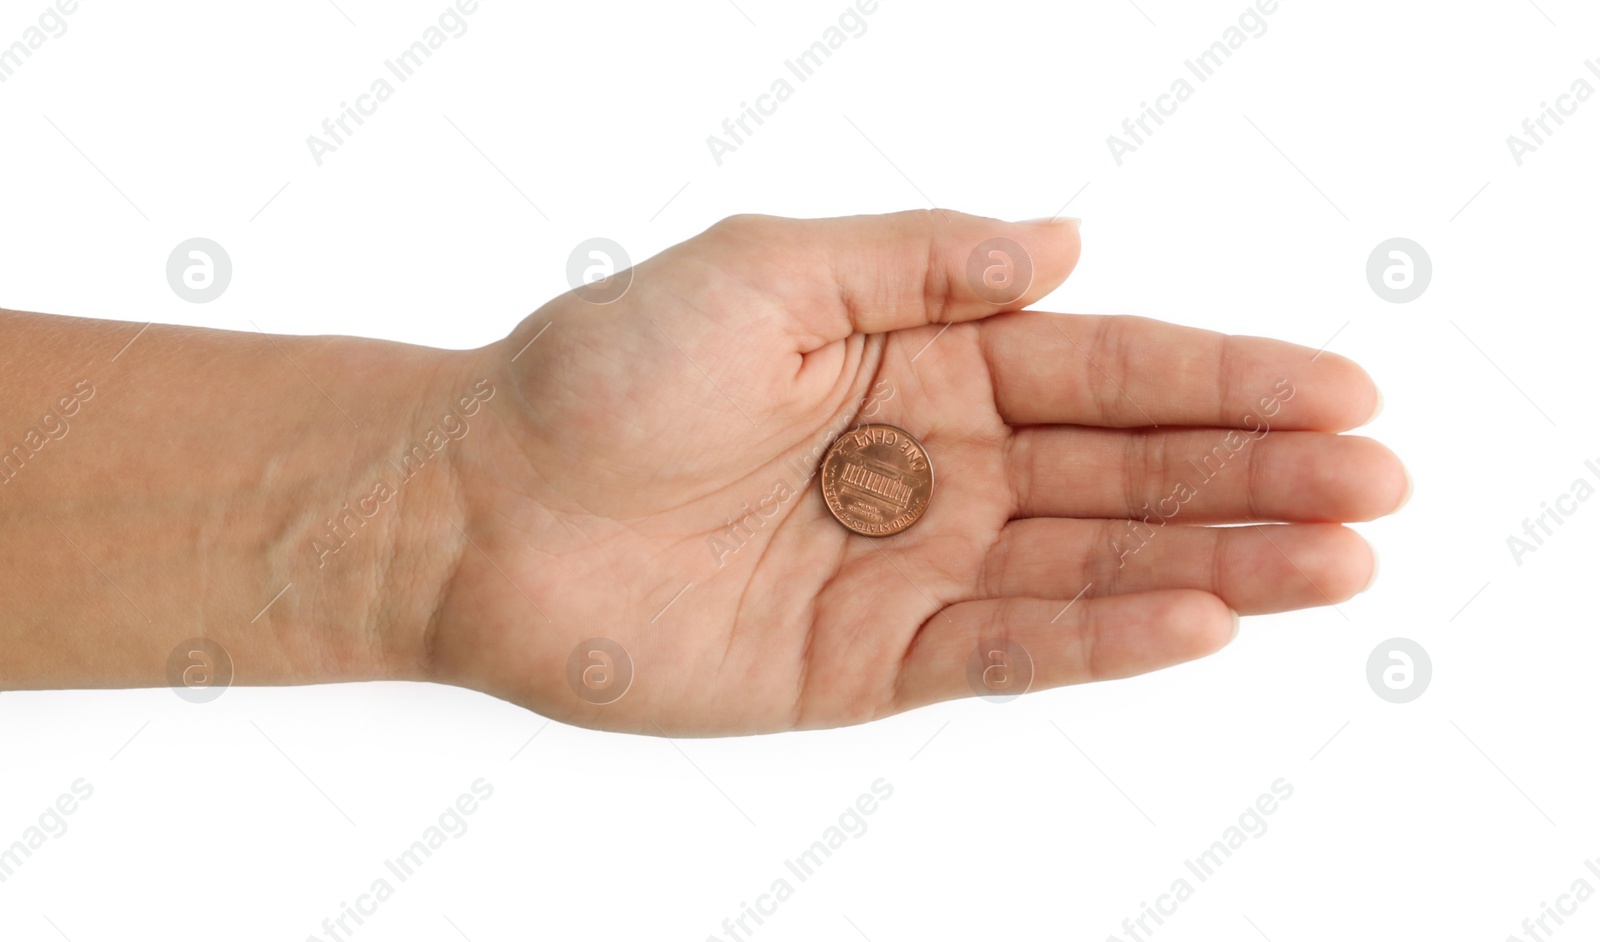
632 434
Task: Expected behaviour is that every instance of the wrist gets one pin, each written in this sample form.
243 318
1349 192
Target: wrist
195 490
380 543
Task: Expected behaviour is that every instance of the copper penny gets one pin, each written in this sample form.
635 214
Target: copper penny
877 479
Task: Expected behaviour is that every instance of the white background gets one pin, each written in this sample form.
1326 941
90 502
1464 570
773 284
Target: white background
1252 210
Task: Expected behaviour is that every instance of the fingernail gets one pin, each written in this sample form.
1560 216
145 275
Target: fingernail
1375 566
1410 486
1053 221
1377 410
1235 626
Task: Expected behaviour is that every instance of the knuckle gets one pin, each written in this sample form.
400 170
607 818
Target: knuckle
740 226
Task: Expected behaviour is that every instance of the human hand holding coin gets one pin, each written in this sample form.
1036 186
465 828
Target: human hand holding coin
650 480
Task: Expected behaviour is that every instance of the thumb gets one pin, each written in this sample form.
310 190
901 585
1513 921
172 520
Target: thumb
871 274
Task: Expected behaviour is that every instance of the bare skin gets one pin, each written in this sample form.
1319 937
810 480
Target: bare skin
640 471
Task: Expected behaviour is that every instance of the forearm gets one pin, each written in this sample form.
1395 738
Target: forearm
172 487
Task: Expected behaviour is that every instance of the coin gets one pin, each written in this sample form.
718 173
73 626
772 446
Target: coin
877 480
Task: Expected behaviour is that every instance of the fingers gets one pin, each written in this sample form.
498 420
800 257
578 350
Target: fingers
1123 372
1254 570
871 274
966 653
1202 475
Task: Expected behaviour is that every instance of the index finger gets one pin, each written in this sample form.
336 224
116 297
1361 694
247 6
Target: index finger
1126 372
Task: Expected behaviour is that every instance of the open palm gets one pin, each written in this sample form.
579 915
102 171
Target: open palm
647 479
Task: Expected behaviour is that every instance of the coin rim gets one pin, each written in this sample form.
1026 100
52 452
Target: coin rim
821 476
